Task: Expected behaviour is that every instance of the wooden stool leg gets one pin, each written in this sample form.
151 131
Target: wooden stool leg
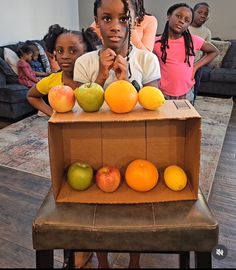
184 260
203 260
44 259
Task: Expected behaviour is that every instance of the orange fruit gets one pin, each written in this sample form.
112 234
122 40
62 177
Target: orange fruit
121 96
175 178
151 98
141 175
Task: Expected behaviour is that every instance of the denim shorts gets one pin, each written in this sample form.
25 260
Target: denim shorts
189 96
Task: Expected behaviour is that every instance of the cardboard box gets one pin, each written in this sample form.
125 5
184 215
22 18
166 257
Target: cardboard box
170 135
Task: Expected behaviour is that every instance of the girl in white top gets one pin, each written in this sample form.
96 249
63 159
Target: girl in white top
118 59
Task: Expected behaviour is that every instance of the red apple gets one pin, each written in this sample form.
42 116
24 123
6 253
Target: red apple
108 178
61 98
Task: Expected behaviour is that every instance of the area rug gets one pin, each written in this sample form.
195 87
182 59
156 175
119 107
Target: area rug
24 145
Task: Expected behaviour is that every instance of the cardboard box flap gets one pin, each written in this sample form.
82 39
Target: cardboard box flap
172 109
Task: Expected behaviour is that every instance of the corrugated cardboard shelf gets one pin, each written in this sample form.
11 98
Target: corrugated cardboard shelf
170 135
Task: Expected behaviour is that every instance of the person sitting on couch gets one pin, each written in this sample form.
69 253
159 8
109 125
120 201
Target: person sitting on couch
26 75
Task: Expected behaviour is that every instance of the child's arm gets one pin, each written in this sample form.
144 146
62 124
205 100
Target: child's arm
42 74
210 52
34 97
26 70
149 32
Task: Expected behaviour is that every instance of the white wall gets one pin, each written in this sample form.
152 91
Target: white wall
222 20
21 20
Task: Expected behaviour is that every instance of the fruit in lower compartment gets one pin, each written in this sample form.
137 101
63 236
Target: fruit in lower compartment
141 175
108 178
175 178
80 175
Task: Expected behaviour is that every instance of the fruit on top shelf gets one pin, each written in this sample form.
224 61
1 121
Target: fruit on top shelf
90 96
121 96
151 98
61 98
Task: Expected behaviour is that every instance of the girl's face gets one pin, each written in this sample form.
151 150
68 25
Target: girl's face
68 48
114 23
180 20
28 56
35 55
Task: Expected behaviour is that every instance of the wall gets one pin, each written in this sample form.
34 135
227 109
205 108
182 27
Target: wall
30 19
222 20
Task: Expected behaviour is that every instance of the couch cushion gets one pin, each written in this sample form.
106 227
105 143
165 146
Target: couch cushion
229 60
223 47
205 77
2 79
5 68
11 58
13 93
223 75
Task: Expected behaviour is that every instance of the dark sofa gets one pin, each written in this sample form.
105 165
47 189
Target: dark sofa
221 81
13 102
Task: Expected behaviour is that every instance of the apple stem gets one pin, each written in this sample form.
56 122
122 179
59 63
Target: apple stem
90 84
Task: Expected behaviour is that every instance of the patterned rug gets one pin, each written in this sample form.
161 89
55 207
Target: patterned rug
24 145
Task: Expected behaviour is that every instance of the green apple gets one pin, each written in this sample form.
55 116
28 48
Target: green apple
90 96
80 175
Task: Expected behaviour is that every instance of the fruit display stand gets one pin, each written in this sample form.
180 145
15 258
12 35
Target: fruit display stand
169 135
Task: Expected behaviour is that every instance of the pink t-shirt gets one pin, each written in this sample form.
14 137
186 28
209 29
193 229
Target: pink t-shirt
176 75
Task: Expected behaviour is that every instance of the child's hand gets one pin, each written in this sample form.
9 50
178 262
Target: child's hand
120 67
106 60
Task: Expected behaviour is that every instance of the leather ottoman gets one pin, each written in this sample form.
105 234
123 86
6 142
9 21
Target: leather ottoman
170 227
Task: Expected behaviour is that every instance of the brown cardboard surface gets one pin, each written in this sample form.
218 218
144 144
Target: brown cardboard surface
170 135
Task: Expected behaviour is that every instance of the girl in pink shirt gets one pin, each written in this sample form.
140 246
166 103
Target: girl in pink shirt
26 75
175 49
144 31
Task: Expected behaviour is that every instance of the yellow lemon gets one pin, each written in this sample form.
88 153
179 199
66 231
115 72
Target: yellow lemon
175 177
151 98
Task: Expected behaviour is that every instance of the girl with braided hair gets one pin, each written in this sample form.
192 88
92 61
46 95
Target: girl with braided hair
118 59
67 46
144 30
175 49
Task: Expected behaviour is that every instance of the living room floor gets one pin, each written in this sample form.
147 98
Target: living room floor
21 202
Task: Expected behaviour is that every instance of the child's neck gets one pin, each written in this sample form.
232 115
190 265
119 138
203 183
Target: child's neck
172 35
67 79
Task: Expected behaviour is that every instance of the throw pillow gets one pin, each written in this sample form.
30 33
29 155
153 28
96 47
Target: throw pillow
5 68
223 47
11 58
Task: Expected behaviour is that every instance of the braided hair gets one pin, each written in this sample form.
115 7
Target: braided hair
89 37
126 3
141 12
189 48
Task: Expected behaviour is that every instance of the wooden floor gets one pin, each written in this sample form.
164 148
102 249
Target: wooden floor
21 195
